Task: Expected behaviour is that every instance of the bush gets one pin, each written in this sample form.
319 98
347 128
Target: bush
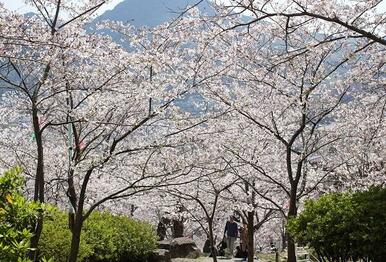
343 226
118 238
17 217
105 237
55 240
371 212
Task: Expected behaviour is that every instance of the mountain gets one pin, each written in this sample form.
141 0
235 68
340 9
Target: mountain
150 13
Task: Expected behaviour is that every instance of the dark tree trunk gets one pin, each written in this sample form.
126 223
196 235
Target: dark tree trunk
250 236
71 193
75 240
212 241
39 184
283 238
34 254
79 219
291 252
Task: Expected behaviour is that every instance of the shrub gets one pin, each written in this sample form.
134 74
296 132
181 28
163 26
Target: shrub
17 217
343 226
371 212
105 237
55 240
118 238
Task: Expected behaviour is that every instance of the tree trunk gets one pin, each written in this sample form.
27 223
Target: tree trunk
75 240
211 239
250 235
79 219
283 237
34 253
291 251
72 200
39 184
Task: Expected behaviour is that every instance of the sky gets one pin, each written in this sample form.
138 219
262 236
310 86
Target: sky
21 7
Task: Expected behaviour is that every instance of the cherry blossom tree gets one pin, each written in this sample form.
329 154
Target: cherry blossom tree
107 112
207 193
288 97
298 50
351 19
32 54
288 104
253 214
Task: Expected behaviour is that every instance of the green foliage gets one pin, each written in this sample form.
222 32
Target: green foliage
105 237
55 240
371 214
118 238
17 216
341 226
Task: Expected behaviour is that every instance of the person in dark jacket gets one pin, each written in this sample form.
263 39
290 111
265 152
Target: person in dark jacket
206 249
221 248
162 227
231 233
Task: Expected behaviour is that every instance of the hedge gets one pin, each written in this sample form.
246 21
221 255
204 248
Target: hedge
105 237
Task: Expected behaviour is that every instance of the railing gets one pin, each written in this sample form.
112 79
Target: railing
302 255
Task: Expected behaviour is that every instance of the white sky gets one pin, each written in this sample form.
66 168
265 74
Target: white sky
21 7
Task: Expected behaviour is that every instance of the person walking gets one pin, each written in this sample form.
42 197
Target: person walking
231 233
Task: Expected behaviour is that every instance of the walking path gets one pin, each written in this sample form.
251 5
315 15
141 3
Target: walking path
207 259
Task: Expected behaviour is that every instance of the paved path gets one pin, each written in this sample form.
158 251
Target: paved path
207 259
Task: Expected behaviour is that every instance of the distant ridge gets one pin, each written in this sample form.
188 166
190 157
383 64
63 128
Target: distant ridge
150 13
